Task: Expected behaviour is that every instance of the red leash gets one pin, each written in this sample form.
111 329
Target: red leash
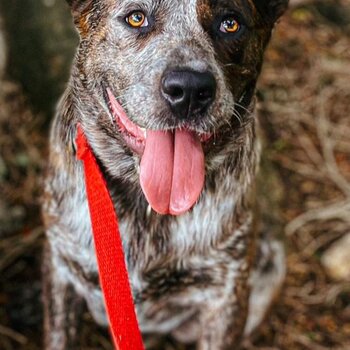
114 278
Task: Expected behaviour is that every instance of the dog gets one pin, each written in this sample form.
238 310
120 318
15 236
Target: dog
164 91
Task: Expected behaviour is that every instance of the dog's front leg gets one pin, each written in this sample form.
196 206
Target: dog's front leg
62 308
223 321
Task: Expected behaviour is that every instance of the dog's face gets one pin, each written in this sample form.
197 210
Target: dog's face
184 72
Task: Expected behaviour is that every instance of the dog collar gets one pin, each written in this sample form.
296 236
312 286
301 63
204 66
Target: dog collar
113 273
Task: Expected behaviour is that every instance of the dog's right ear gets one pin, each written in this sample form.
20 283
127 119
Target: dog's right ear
78 6
79 9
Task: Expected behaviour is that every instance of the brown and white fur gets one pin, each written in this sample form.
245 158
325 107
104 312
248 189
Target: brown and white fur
203 276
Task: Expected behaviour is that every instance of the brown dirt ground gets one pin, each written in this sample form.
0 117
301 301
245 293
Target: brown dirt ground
304 96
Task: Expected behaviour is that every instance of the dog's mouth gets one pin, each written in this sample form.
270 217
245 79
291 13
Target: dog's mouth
172 167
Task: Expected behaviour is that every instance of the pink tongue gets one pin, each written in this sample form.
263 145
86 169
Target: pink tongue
172 171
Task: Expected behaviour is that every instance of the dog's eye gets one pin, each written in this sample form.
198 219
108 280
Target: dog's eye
230 25
137 19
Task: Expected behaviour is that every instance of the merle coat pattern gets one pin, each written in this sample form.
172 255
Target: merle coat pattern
202 276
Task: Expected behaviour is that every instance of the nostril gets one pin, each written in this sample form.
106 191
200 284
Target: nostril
176 92
172 90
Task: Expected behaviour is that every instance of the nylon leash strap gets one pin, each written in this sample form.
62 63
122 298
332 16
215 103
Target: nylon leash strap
113 273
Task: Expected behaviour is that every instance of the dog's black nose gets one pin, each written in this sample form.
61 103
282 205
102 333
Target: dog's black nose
188 92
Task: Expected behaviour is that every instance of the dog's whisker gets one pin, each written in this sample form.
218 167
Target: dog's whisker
238 117
242 107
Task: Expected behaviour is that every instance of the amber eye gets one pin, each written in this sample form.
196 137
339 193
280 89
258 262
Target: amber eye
230 25
137 19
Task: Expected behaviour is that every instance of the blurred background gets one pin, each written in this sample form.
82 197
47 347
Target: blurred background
304 106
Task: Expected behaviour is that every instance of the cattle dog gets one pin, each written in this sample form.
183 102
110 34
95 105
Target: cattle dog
164 91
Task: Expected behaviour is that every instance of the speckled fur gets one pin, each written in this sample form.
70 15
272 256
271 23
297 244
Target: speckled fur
198 276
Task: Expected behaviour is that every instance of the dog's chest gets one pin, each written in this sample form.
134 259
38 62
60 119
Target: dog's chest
162 262
194 233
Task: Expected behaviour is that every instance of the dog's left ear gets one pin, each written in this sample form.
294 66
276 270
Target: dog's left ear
272 9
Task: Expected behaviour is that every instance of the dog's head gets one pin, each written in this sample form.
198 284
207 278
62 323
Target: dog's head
168 84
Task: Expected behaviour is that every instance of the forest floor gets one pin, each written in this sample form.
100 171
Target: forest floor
304 95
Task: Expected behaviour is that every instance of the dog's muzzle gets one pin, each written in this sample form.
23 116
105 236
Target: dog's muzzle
172 167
